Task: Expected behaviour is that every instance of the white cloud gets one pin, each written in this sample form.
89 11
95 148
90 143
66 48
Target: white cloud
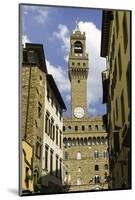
40 13
96 63
27 8
63 35
41 16
61 78
66 58
25 39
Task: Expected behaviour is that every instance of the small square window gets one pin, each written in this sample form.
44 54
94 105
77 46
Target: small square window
73 63
76 128
83 128
106 167
96 167
64 128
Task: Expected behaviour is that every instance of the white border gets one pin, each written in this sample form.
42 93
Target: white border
9 97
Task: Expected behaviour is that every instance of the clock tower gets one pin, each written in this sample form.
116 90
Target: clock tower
78 73
84 137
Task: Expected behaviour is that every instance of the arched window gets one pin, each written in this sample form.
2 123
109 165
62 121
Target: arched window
77 141
106 166
83 128
96 167
79 181
81 141
78 48
96 127
69 142
85 141
94 141
89 127
74 142
97 179
78 156
89 141
102 140
98 140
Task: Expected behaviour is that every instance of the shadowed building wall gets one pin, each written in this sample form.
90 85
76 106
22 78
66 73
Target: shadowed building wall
115 46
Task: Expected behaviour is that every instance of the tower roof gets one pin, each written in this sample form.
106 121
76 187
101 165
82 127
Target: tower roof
33 53
77 34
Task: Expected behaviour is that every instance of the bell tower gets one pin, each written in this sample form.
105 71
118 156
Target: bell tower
81 132
78 73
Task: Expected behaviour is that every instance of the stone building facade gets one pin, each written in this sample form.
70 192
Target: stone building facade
85 139
41 124
115 46
85 154
32 105
52 157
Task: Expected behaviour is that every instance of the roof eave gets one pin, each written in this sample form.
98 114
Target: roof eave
107 17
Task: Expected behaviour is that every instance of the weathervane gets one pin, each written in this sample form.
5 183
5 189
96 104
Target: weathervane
77 26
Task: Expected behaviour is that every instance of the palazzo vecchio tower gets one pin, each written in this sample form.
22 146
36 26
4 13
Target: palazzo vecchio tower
86 165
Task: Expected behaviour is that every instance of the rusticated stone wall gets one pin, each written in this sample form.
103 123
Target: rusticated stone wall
32 110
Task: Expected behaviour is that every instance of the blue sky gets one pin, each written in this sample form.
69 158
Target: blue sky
52 26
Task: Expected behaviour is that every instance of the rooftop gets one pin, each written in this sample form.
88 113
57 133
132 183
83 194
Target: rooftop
53 85
107 17
34 54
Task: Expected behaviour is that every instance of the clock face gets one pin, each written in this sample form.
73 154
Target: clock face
79 112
